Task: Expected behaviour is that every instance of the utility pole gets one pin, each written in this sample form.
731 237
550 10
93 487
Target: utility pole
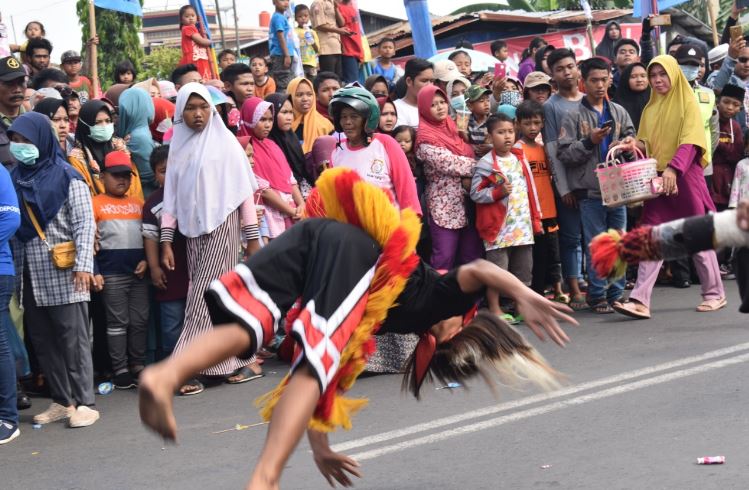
236 26
220 25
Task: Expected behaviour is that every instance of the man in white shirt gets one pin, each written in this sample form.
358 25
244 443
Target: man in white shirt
419 73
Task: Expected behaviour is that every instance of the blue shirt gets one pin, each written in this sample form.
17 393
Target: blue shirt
278 23
10 220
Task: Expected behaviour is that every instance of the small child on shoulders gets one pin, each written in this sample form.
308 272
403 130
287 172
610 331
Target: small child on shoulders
507 209
121 262
171 286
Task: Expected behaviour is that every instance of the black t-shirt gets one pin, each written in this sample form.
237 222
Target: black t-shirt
428 298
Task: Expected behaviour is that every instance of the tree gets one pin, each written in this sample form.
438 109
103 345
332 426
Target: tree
160 62
118 39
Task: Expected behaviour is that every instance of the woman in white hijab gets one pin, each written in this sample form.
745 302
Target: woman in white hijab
208 198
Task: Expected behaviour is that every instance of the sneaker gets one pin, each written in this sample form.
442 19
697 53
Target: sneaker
8 432
83 417
54 413
123 381
509 319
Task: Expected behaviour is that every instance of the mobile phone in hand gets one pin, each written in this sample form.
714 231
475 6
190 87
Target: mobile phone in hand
737 31
608 124
500 70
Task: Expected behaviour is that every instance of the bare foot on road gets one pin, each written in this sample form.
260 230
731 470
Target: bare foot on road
156 394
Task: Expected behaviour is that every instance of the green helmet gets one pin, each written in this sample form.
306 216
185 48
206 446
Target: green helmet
360 100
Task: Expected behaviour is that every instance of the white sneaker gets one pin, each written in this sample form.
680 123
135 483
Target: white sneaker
54 413
83 417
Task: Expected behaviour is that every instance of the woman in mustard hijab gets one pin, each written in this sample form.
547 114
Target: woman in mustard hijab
671 132
308 123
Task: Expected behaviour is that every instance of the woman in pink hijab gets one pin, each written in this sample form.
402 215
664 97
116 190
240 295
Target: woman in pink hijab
278 187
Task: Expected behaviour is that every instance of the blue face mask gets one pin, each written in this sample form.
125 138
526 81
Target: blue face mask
690 71
26 153
102 134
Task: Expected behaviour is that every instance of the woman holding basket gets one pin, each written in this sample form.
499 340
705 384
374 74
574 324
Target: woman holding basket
670 131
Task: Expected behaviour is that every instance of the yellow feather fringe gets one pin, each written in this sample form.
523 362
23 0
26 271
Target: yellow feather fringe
380 219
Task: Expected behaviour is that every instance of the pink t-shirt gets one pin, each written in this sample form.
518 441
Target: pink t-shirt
383 164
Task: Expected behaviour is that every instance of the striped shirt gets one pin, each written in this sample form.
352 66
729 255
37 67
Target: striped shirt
121 243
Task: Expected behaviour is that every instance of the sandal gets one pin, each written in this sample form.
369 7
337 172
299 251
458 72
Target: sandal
601 307
561 298
191 387
578 303
712 305
509 319
243 375
632 309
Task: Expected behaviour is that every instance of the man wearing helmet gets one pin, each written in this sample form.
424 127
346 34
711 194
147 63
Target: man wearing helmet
376 157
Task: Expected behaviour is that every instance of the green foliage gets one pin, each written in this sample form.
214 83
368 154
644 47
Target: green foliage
118 39
698 8
160 62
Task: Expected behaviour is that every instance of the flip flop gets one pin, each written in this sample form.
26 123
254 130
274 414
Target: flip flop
246 374
561 298
630 309
578 304
712 305
601 307
196 388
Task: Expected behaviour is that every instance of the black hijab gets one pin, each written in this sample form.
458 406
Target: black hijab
86 118
49 106
287 140
606 47
633 102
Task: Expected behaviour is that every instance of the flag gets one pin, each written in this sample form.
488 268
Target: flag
206 30
421 28
131 7
586 8
643 8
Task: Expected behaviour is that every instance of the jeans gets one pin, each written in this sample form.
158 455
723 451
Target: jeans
597 218
172 319
17 348
569 239
8 409
350 69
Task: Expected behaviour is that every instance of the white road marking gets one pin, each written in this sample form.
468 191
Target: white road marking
551 407
502 407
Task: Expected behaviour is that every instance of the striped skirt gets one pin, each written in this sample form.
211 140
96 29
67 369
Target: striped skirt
208 258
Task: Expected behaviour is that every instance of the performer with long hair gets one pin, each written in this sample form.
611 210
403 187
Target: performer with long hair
356 274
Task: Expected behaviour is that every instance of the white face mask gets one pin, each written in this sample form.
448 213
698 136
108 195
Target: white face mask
690 72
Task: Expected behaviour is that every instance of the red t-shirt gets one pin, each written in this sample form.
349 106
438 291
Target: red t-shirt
351 45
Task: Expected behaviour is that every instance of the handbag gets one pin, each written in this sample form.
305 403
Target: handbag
63 254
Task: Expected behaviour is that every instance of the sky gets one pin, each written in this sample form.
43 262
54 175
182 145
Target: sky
63 30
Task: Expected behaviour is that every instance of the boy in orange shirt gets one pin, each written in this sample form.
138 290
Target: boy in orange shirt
121 261
547 266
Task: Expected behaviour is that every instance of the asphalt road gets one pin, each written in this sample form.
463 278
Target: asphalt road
645 399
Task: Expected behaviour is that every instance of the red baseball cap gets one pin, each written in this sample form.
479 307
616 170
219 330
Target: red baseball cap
118 162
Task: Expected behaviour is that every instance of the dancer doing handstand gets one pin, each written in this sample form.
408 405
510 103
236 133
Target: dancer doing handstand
356 274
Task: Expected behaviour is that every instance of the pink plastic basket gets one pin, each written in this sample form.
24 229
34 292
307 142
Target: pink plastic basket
627 182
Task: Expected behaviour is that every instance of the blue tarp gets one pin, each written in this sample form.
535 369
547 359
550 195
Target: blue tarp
131 7
421 28
643 8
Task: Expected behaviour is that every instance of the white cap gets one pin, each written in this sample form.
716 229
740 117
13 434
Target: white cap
718 53
445 70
